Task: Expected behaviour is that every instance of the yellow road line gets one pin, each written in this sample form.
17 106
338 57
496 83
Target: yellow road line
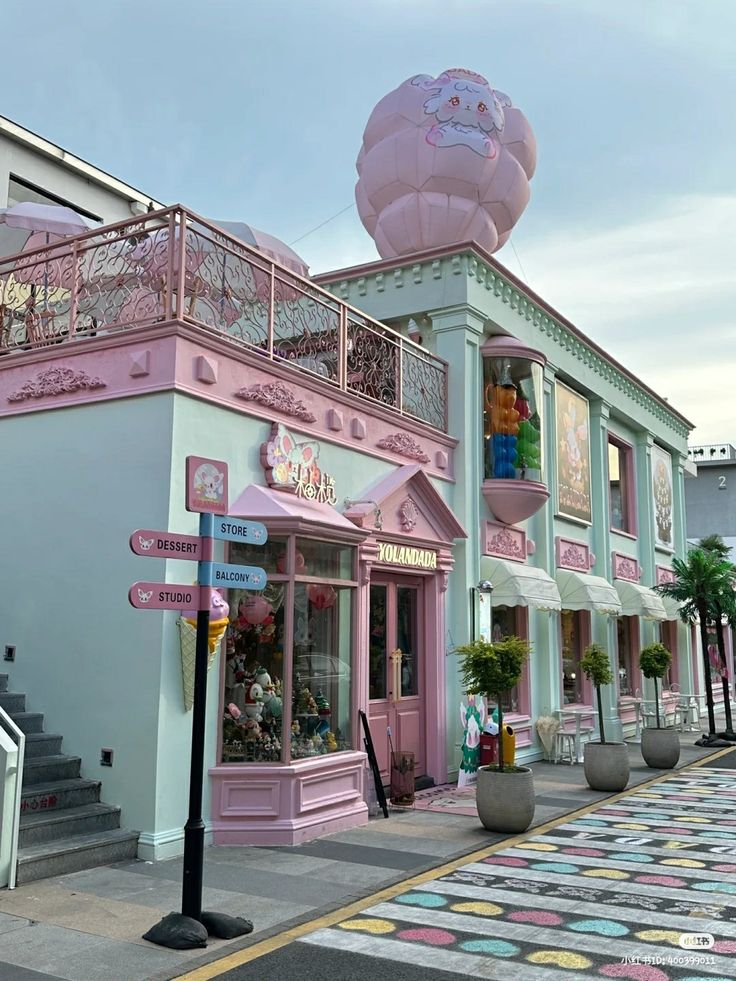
263 947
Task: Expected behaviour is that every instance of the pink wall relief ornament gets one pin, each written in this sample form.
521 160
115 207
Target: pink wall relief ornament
573 555
504 544
664 575
276 395
625 567
408 514
444 160
404 445
56 381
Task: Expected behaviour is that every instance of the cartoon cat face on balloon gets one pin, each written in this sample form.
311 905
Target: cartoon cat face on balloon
466 108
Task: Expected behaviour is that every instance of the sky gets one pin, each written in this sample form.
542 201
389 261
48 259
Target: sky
254 110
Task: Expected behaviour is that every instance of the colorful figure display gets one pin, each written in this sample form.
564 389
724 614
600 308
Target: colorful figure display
504 429
512 429
473 718
444 160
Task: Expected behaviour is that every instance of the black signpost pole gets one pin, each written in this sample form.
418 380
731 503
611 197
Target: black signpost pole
191 893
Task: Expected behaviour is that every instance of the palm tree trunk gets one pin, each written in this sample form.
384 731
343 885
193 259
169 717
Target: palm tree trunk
656 702
703 615
600 714
724 673
500 735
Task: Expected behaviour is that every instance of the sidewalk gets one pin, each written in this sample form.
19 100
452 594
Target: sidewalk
88 925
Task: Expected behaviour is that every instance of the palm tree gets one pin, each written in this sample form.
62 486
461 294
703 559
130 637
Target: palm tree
699 582
724 605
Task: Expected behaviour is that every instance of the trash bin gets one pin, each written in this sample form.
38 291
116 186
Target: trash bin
509 745
488 749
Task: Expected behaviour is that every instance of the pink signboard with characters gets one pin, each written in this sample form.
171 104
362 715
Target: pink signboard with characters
206 485
164 596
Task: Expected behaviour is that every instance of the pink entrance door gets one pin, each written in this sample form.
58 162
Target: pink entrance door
396 683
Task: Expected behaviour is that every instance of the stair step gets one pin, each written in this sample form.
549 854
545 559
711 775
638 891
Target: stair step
42 826
13 701
43 744
58 795
28 721
3 682
67 855
47 769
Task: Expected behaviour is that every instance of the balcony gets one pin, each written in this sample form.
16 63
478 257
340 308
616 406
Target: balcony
172 265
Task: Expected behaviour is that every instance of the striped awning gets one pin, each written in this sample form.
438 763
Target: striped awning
639 601
581 591
518 584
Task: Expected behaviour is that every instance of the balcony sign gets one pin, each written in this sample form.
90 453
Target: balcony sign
415 558
292 466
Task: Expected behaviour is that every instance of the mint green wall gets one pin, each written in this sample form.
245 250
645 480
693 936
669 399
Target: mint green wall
77 483
458 300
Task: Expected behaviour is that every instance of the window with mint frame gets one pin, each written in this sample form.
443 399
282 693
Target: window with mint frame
621 496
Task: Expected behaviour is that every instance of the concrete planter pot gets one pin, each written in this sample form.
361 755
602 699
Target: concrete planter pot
660 748
505 801
606 766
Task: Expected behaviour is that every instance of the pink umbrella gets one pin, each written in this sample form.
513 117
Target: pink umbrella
52 218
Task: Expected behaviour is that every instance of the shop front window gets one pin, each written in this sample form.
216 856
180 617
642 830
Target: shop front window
512 427
322 644
289 645
254 676
627 662
572 653
504 625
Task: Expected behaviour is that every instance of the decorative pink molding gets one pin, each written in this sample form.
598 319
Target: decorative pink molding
570 554
504 542
531 546
664 574
335 420
441 458
206 370
408 514
140 364
357 428
275 395
55 381
625 567
404 445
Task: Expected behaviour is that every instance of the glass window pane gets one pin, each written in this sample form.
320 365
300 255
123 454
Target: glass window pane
504 625
572 676
254 676
625 672
377 643
322 667
512 424
271 556
406 638
617 502
315 558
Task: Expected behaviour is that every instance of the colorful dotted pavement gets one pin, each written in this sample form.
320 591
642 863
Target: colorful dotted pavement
607 895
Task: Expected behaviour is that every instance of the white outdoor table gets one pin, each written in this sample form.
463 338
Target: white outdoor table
578 715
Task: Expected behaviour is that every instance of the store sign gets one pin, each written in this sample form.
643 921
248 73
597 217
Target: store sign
206 485
234 530
243 576
415 558
291 465
163 596
165 545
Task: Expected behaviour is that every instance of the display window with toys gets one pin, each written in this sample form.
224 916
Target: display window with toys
287 680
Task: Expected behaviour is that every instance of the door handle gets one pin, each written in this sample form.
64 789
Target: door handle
396 675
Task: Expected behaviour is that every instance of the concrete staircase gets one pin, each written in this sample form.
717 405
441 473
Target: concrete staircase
63 826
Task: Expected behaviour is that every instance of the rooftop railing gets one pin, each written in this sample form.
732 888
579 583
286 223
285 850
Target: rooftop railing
174 265
712 451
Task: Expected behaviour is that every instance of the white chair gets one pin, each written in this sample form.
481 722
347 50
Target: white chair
565 747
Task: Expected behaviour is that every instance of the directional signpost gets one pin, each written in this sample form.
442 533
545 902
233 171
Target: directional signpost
207 494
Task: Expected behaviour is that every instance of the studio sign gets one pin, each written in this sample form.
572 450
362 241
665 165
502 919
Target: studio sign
417 558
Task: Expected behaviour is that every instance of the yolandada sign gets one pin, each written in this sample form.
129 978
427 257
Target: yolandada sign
417 558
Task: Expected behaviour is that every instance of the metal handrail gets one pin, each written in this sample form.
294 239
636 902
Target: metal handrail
20 738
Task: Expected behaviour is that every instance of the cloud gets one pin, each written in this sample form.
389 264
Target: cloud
657 294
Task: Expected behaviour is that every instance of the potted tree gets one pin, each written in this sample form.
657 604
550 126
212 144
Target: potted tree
660 747
504 794
606 764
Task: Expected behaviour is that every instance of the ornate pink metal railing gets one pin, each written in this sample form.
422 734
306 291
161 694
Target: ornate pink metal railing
174 265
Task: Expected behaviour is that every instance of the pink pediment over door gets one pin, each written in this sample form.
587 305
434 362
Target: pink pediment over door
410 507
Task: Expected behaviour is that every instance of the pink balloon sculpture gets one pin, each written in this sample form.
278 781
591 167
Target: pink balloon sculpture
444 160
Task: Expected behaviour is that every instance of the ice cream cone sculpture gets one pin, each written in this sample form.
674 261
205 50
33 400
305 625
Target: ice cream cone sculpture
219 610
